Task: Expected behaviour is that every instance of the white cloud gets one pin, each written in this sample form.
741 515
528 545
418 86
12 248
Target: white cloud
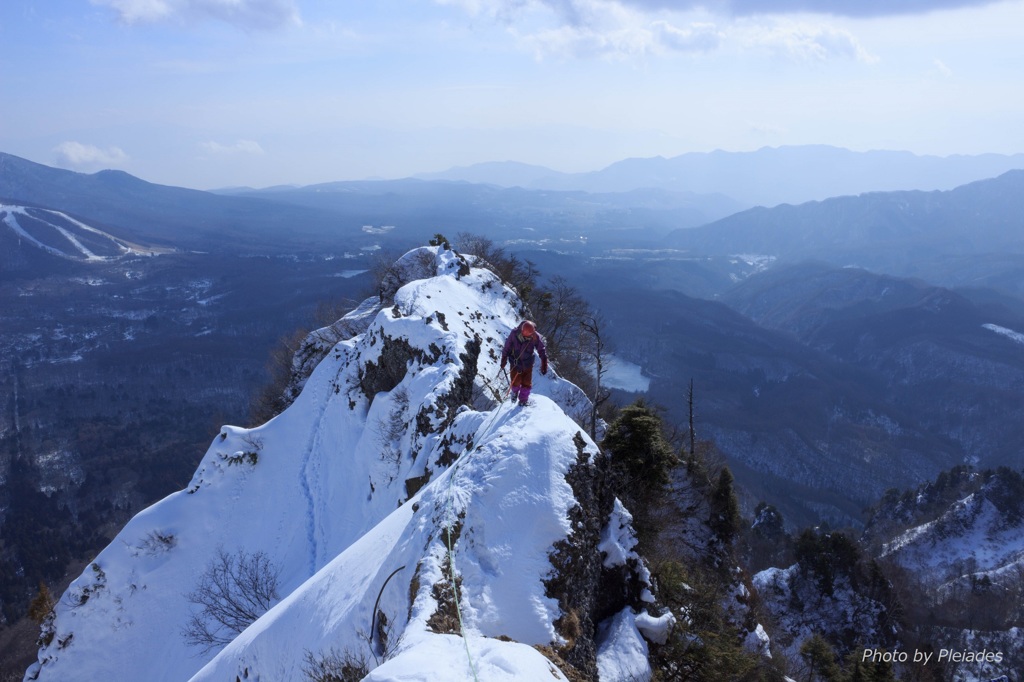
572 12
629 35
248 14
849 8
242 147
88 157
697 37
578 42
631 28
577 12
767 130
134 11
806 42
574 28
942 70
593 28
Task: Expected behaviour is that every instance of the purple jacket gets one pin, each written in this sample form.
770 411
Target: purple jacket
519 350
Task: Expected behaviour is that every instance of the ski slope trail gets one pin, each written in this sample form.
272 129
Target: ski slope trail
61 235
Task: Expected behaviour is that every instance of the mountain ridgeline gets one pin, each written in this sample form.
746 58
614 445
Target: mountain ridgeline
765 177
361 215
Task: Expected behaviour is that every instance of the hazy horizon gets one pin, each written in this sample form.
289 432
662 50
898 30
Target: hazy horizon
210 93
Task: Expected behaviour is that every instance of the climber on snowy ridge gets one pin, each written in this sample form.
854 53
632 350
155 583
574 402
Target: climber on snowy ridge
519 347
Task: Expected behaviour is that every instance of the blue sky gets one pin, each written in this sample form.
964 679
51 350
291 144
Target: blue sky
215 93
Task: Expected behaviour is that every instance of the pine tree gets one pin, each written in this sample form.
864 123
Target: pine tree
638 448
725 508
817 653
641 460
881 672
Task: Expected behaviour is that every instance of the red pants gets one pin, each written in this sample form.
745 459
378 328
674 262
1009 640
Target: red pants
521 378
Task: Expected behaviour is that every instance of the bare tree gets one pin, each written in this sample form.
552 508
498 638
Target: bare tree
689 405
233 591
596 348
386 275
335 666
481 249
558 308
1017 590
271 400
517 273
330 311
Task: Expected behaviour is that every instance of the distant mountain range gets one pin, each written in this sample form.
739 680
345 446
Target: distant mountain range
638 198
921 234
766 177
509 214
500 173
355 213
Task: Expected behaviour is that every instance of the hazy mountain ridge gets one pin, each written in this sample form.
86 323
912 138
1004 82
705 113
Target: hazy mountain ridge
133 209
895 232
766 177
361 214
501 173
508 214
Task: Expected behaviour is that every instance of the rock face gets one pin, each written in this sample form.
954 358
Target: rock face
408 521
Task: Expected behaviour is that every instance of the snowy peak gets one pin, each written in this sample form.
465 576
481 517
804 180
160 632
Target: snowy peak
396 505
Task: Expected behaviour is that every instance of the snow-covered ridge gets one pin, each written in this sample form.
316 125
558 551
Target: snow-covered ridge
67 237
394 458
963 547
972 527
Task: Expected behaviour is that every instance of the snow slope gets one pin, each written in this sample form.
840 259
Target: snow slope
50 222
394 456
510 497
1008 333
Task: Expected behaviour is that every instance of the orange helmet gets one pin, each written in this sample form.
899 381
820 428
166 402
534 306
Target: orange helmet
528 328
